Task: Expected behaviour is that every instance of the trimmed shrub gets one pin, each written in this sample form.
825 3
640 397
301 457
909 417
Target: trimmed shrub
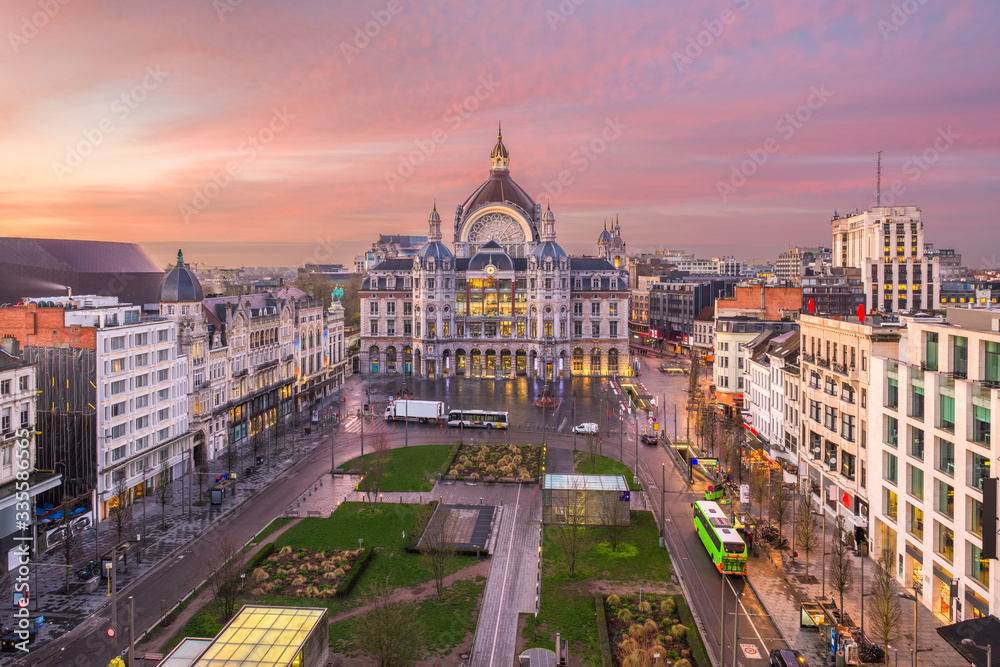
347 584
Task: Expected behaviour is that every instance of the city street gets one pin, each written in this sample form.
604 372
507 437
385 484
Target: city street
172 579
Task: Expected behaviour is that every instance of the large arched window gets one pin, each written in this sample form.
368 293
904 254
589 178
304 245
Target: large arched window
613 361
595 361
578 360
373 358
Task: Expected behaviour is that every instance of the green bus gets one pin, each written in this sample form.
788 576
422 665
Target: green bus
723 543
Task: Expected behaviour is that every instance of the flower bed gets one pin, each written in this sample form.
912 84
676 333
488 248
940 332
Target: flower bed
516 462
305 573
638 631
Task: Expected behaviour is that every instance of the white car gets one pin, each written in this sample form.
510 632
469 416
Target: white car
589 427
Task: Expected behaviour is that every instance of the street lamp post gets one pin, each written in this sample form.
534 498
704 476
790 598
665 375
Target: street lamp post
916 604
988 648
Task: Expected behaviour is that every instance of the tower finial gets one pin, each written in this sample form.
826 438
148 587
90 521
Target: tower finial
435 204
180 257
499 130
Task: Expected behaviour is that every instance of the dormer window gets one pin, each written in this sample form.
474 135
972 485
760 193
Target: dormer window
595 283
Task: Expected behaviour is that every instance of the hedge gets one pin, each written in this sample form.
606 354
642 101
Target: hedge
261 556
602 630
344 587
695 643
423 516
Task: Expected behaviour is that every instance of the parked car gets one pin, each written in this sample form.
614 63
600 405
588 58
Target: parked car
787 658
649 439
585 428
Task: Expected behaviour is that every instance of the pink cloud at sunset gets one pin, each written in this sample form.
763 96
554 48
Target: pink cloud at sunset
253 132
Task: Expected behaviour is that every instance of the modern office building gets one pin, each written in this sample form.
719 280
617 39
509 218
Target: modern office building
935 400
793 263
887 244
508 301
832 291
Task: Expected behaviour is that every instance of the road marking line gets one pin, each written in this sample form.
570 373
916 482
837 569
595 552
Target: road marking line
747 614
506 569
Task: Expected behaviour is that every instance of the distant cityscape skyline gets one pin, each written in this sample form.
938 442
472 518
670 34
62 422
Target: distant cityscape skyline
271 134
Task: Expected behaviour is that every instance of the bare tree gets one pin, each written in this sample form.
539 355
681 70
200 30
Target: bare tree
437 546
725 450
593 444
885 614
758 489
841 569
121 512
389 633
70 543
202 472
808 532
232 451
613 515
373 467
778 507
571 534
224 573
163 493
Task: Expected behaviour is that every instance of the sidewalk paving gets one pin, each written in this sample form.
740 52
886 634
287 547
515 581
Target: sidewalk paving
781 590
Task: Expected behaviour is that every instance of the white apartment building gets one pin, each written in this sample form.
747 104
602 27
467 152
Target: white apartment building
765 360
142 401
887 244
836 369
935 404
732 334
792 398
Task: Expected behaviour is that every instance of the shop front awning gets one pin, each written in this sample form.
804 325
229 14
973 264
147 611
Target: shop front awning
981 631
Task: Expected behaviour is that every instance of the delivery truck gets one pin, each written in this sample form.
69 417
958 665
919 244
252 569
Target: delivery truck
422 411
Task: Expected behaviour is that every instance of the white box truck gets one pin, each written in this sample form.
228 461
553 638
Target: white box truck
422 411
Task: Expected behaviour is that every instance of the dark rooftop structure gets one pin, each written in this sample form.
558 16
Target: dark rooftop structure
42 267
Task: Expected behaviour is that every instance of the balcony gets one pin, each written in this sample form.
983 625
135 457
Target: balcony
288 357
823 363
240 373
267 364
809 358
840 368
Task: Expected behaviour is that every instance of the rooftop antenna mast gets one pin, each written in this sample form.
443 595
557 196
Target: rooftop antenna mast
878 182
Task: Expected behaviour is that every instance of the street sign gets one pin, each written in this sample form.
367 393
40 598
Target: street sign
751 651
694 462
625 496
110 632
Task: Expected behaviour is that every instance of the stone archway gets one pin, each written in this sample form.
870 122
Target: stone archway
613 361
447 365
595 361
390 359
418 362
460 362
373 358
577 361
476 363
521 362
506 365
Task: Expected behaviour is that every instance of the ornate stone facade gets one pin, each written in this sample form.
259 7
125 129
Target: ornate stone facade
508 302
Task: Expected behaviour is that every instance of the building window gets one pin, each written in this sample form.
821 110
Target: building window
163 414
390 307
917 443
830 421
891 430
945 459
373 307
24 414
930 350
118 431
163 375
5 419
163 434
890 467
162 336
979 567
118 343
162 395
814 411
915 481
916 521
847 427
613 332
117 409
595 308
118 387
374 327
142 422
595 329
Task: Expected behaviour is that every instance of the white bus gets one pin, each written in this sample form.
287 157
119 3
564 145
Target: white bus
478 418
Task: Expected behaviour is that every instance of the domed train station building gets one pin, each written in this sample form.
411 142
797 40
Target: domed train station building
508 301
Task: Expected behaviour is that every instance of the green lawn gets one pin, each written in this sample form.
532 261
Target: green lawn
205 624
410 468
383 530
445 622
272 527
568 603
604 466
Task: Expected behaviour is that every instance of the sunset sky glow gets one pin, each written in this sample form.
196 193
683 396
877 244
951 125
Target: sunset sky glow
264 133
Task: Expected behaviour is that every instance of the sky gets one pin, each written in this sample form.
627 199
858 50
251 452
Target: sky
253 132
